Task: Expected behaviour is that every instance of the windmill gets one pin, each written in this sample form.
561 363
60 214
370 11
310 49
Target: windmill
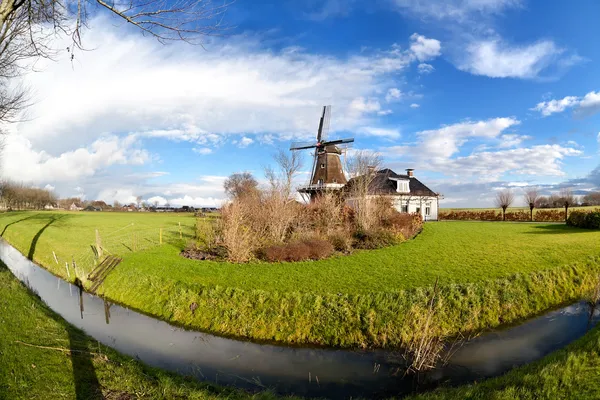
327 171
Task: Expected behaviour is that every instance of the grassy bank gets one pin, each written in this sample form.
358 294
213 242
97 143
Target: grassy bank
570 373
43 357
490 274
67 364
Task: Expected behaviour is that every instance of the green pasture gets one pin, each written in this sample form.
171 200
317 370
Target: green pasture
490 274
42 357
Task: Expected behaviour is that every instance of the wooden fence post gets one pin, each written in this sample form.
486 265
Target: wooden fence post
54 254
67 267
180 233
98 245
160 235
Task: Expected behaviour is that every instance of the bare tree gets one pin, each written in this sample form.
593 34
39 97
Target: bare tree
504 199
567 199
138 201
281 179
532 196
240 184
362 169
592 199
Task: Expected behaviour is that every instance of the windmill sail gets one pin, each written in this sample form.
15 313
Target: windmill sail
327 172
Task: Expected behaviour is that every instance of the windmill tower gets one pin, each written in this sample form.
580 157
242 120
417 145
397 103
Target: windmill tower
327 172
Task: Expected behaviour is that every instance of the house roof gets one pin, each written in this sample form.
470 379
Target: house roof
382 184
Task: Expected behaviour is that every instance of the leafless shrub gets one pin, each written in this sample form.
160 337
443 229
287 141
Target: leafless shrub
504 199
362 168
424 349
236 236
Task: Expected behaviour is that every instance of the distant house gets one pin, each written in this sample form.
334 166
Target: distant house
92 208
407 193
74 207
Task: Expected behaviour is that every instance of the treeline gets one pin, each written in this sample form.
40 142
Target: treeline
17 196
556 201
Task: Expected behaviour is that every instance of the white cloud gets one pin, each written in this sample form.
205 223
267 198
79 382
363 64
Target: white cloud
543 160
446 141
589 105
157 200
49 187
584 106
495 59
454 9
512 140
202 150
598 138
380 132
443 150
21 161
385 112
245 142
424 68
361 105
424 48
555 106
393 94
414 105
198 95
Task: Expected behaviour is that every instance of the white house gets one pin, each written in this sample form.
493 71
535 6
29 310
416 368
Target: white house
407 193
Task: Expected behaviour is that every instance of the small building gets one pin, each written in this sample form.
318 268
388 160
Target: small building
74 207
407 193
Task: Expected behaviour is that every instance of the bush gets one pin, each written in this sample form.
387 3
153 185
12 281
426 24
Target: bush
341 241
308 249
466 215
376 239
583 219
549 216
521 216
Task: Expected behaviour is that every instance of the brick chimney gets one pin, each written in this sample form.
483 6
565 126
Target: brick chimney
410 172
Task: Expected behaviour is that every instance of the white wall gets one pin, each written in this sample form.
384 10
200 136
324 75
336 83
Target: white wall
414 203
418 203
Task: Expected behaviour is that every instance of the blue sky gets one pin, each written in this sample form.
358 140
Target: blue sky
476 95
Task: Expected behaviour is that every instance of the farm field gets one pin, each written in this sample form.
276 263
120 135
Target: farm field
490 274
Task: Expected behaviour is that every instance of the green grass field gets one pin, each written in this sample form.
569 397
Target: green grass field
93 371
43 357
491 273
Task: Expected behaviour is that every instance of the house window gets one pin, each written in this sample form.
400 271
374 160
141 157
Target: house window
320 182
428 211
418 210
405 208
322 165
335 181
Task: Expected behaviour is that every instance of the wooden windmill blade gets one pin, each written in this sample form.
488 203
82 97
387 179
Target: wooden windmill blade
302 145
326 122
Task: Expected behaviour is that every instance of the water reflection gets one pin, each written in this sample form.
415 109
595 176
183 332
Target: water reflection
301 371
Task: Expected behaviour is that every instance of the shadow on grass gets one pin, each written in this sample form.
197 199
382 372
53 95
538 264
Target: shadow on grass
81 349
35 239
15 222
556 229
